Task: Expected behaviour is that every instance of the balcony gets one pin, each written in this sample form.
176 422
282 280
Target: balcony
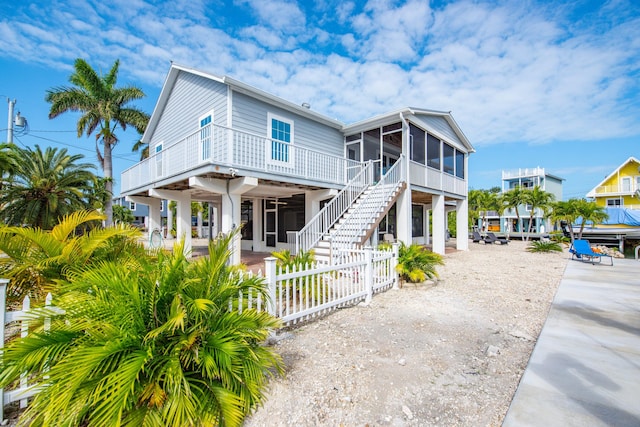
214 146
522 173
621 189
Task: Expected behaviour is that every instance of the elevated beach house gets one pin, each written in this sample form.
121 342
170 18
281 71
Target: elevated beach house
293 178
621 188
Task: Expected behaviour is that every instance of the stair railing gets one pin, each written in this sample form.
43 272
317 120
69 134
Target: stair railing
359 221
320 224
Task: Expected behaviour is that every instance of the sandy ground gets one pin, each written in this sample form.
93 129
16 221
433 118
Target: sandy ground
444 354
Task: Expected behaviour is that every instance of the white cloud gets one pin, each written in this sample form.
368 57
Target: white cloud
509 73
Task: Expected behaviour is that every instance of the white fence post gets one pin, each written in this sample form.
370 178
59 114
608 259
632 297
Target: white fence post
270 276
368 273
3 310
24 331
394 263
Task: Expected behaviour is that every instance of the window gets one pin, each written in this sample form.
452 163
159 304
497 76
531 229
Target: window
448 158
158 151
206 131
132 206
459 164
417 221
281 133
433 151
637 183
417 144
614 203
626 184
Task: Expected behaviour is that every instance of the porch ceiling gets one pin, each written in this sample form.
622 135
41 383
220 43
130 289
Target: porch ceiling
265 189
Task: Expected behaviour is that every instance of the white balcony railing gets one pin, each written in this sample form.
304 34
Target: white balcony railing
219 145
621 189
522 173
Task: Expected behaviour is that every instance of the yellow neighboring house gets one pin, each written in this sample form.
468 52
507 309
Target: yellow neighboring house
621 189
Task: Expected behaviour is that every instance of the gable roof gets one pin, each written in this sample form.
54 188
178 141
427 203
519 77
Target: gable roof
235 85
404 113
256 93
592 193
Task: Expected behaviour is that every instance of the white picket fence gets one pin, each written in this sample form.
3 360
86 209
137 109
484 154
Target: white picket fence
295 295
24 391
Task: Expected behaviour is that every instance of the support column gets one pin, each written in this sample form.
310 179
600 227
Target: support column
439 223
169 220
183 213
427 228
462 225
403 217
199 219
155 220
231 191
257 224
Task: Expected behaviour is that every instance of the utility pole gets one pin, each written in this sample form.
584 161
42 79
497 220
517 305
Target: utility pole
10 121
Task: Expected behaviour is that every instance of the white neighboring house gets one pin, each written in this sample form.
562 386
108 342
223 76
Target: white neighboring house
526 178
294 178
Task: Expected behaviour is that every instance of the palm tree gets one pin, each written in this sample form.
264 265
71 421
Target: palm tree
482 201
36 259
512 199
104 107
537 199
146 343
8 161
590 212
567 210
142 147
45 186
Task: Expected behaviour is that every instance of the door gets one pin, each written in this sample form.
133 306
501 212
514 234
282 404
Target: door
205 136
270 223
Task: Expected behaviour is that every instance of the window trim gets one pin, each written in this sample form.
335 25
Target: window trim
203 154
270 141
159 158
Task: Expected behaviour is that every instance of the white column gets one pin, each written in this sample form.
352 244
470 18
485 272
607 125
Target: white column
183 213
199 223
257 224
169 220
403 217
427 229
462 225
439 223
231 191
154 210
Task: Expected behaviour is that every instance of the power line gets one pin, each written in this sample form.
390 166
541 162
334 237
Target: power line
84 149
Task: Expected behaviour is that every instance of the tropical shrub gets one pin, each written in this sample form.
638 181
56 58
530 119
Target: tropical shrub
284 259
149 343
37 259
417 264
285 262
544 246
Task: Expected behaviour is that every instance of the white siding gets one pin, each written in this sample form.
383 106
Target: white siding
250 115
191 97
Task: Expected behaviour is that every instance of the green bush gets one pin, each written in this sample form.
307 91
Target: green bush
544 246
417 264
164 342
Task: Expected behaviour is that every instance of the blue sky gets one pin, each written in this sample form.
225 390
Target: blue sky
531 83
